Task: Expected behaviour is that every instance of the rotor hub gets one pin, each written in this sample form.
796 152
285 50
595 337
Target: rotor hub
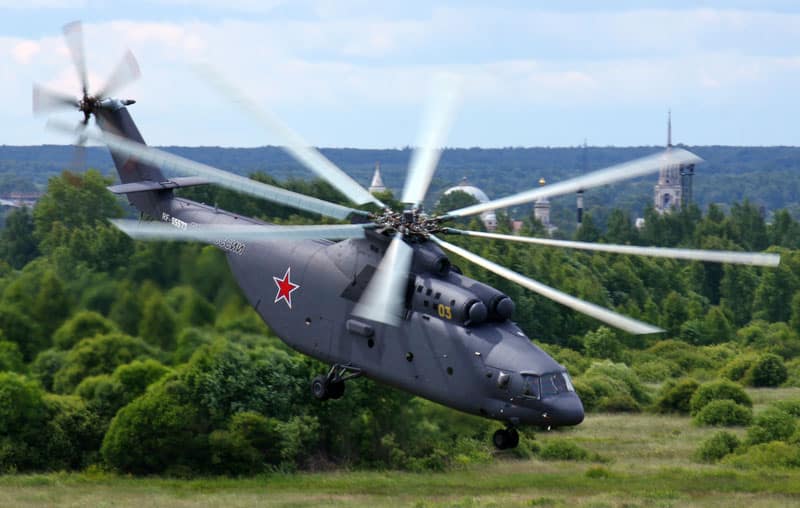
411 222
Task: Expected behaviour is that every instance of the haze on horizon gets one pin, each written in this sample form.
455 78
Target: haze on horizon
352 74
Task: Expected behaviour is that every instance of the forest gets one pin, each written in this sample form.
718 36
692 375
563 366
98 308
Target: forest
144 358
766 176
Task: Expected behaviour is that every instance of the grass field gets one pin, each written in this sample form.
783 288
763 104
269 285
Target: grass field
648 464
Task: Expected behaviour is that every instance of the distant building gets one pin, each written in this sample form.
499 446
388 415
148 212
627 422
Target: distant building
541 211
20 199
674 187
488 218
377 182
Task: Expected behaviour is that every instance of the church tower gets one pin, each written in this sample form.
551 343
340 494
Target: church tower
668 190
377 182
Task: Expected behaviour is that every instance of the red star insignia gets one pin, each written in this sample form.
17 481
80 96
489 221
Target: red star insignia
285 287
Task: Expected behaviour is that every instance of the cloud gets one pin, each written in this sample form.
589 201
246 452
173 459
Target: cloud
349 74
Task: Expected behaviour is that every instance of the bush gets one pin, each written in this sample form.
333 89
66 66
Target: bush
622 375
23 417
10 357
586 393
98 355
73 434
737 368
562 449
769 370
602 343
656 371
716 447
766 455
85 324
772 424
718 390
791 406
675 397
47 363
724 413
618 403
688 357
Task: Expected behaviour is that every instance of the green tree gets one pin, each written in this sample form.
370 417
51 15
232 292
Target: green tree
737 290
98 355
620 228
784 230
74 201
52 305
674 313
602 343
773 294
588 231
82 325
158 323
17 243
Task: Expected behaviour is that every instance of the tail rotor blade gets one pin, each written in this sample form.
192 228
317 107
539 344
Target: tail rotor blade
639 167
293 143
222 178
383 299
607 316
126 72
436 125
46 100
73 35
714 256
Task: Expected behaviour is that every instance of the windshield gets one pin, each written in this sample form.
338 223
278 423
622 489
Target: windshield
555 383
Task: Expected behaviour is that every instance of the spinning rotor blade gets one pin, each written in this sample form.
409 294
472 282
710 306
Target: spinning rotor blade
612 318
611 174
436 125
45 100
293 143
383 299
715 256
126 71
73 36
222 178
214 233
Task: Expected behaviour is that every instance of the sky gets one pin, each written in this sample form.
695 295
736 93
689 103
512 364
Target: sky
357 73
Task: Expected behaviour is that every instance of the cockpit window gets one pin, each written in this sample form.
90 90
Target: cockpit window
555 383
530 386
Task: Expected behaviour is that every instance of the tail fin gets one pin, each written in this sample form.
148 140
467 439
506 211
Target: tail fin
114 117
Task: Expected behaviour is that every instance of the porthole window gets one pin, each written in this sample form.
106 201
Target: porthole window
428 292
450 371
409 356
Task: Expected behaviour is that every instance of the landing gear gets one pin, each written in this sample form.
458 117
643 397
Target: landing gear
331 386
504 439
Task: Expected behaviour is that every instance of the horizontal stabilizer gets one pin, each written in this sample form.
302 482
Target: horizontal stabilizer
149 185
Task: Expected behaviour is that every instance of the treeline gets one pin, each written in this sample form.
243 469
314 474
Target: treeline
144 357
767 176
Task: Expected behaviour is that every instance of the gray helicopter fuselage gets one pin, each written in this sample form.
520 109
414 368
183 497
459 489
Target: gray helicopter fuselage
455 343
482 368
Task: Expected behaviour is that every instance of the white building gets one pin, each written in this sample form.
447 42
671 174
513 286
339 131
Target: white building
488 218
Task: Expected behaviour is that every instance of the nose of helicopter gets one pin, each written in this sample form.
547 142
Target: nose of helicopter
566 409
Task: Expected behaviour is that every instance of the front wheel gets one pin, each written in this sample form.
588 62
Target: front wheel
319 388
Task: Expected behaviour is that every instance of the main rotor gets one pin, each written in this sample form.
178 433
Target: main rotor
383 298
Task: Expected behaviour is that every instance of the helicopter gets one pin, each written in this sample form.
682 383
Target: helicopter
378 297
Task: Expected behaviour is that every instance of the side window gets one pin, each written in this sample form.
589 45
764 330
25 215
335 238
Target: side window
530 386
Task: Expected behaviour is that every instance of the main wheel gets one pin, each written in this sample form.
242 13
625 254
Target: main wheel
504 439
319 388
513 436
335 389
500 439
